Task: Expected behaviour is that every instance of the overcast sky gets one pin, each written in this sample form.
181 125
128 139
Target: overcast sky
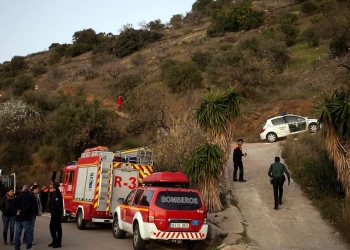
29 26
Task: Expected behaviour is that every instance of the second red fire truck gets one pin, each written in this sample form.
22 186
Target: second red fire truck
91 186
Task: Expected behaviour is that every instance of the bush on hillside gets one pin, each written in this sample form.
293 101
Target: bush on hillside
156 25
181 76
313 171
78 124
240 16
21 84
201 59
46 154
131 40
126 83
311 37
77 49
6 82
54 58
339 45
17 64
15 155
38 70
86 36
308 7
176 21
289 30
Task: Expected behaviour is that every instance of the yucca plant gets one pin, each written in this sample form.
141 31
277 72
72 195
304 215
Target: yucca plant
204 169
334 115
216 115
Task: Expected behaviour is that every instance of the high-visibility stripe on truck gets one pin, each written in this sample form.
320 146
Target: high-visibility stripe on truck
98 180
144 170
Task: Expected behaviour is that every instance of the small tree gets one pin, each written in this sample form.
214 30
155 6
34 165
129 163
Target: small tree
86 36
114 69
311 37
308 7
21 84
17 63
289 30
86 70
176 21
156 25
181 76
201 59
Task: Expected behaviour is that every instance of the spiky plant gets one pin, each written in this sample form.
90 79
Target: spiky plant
334 115
216 115
203 169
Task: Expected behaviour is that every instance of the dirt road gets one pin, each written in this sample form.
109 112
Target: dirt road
296 225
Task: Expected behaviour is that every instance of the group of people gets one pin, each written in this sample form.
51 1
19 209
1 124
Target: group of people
21 210
276 173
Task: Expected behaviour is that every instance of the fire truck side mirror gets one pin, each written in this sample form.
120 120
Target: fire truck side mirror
120 200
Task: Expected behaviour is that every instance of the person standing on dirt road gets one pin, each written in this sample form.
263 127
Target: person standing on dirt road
276 172
237 161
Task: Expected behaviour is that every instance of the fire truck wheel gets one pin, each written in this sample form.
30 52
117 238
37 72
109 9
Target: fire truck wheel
64 219
117 232
81 223
138 242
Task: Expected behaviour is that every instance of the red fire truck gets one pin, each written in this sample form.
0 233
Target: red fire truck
91 186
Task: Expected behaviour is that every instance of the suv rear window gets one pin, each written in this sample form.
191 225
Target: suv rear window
178 200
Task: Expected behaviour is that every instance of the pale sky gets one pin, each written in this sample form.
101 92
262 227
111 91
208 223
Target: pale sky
29 26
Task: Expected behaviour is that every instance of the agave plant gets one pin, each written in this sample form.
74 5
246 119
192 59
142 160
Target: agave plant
334 115
216 115
203 169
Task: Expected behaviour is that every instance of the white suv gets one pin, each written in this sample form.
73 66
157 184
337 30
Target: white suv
284 125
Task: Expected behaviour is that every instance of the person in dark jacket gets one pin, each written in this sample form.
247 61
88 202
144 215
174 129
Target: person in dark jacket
44 196
37 210
56 209
8 215
237 161
276 172
23 205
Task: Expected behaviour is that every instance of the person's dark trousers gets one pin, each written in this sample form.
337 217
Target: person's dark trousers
8 221
236 165
278 190
56 228
43 203
27 226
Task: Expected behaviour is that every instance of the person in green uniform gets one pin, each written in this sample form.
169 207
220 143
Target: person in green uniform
276 172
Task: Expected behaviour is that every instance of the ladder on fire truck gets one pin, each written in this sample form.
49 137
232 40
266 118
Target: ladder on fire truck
105 175
143 156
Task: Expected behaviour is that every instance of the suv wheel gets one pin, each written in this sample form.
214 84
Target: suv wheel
313 127
271 137
138 242
117 232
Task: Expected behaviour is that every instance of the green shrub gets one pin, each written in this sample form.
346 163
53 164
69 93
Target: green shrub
290 17
54 58
308 7
15 154
6 82
38 70
240 16
201 59
17 64
77 49
250 44
46 154
182 76
21 84
290 31
126 83
339 45
311 37
131 40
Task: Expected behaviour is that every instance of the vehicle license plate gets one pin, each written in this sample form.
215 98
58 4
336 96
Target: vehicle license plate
179 225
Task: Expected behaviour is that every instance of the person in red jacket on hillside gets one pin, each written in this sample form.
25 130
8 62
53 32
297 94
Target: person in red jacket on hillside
120 102
237 161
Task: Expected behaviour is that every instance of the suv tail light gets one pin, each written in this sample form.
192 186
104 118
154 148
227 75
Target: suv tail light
263 130
205 220
151 215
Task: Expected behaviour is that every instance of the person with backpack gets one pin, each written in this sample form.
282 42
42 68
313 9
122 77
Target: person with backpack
8 215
